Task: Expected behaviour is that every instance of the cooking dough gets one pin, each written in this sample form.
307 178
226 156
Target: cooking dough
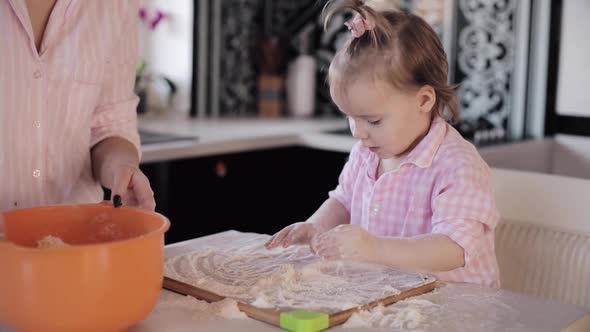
51 242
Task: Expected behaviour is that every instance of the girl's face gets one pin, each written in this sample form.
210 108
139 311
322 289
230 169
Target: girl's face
387 120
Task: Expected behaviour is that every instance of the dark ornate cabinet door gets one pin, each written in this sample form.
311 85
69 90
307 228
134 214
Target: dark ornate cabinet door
487 42
259 191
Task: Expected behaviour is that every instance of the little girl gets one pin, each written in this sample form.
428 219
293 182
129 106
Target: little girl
414 194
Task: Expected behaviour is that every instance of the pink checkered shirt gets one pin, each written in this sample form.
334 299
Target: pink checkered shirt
58 102
442 187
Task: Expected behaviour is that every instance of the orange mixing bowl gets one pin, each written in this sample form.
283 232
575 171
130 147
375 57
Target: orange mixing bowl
107 280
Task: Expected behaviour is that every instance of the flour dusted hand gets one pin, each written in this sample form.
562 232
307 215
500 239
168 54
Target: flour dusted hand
297 233
346 242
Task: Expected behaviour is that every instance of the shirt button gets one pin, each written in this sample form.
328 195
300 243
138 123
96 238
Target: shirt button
375 208
37 74
36 173
37 124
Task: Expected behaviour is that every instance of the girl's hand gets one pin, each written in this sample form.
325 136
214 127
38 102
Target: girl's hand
297 233
346 242
131 187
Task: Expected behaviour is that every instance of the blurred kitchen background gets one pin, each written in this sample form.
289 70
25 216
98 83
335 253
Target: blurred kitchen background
225 85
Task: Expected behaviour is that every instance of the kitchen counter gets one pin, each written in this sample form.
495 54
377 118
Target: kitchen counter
205 137
498 311
184 137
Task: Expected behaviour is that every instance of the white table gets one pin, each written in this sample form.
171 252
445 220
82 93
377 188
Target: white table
476 308
499 310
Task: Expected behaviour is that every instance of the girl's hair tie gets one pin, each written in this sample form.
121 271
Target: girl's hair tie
359 25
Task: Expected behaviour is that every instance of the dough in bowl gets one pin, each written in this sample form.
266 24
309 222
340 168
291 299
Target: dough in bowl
51 242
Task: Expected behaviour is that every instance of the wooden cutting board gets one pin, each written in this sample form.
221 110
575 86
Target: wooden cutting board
271 316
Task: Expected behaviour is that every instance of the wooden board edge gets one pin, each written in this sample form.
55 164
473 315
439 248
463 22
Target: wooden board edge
266 315
273 317
342 316
186 289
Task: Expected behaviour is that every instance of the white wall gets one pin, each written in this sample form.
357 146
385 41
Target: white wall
573 85
168 49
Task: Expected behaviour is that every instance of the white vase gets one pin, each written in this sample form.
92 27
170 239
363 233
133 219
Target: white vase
301 85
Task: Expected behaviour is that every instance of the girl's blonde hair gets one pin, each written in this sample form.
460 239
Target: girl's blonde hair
401 48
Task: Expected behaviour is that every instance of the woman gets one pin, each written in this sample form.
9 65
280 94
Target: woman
67 109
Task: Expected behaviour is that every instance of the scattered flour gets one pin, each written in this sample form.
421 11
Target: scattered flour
454 307
460 307
200 310
226 308
285 279
51 242
408 314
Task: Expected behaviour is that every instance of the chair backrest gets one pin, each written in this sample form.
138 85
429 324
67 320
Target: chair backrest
543 240
553 201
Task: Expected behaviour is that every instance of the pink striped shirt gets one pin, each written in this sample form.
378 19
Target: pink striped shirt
56 104
442 187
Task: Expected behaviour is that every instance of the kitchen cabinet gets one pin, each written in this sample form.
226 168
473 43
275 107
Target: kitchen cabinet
258 191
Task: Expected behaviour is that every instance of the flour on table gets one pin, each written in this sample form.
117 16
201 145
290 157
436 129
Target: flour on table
450 308
51 242
200 310
407 314
290 278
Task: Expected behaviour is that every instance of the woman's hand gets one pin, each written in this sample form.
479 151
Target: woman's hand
132 188
115 164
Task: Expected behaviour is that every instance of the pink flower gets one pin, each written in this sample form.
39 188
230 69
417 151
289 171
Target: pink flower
142 13
157 19
152 23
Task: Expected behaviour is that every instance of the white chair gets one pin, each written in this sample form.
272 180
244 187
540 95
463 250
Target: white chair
543 239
